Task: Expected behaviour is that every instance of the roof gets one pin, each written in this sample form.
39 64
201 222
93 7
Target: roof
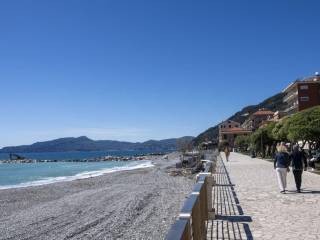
235 130
312 79
263 112
229 121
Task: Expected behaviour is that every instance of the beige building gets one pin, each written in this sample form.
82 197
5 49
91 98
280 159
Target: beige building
278 115
256 119
229 130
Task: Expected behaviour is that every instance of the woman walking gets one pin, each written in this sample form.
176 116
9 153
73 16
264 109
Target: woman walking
227 152
281 164
299 163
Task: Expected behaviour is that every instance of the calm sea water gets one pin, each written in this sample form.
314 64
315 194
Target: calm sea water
73 155
33 174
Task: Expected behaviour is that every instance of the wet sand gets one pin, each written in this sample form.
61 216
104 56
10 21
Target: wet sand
136 204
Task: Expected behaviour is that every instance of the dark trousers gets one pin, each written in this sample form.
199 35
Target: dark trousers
297 178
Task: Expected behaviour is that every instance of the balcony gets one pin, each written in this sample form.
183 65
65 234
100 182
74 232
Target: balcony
291 109
290 96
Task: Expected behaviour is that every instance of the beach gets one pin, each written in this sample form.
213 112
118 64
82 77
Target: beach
136 204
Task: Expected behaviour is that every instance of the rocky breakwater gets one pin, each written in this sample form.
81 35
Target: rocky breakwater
97 159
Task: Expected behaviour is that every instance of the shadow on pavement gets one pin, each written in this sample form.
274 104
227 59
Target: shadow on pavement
303 192
231 222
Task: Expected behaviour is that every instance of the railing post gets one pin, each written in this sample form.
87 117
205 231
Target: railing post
181 229
199 212
199 207
208 181
192 212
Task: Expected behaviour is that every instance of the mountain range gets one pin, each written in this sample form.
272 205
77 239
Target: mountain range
84 143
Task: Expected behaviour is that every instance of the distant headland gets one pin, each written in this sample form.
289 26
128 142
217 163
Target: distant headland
84 143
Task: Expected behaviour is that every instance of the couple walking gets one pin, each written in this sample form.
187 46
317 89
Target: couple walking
283 160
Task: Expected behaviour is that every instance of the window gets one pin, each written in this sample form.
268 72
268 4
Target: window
229 126
304 87
304 99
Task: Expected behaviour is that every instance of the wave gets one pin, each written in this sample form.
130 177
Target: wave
81 175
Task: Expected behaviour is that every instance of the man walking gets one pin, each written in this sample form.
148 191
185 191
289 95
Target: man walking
298 163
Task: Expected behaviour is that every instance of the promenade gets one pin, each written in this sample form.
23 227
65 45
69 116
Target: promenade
249 206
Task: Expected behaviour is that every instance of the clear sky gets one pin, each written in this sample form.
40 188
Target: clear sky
136 70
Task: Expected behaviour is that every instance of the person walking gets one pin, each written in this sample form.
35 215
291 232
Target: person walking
227 152
298 163
281 165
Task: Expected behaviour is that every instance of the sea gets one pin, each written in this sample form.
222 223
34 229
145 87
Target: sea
16 175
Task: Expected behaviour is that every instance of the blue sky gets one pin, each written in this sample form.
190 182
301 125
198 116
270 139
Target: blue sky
136 70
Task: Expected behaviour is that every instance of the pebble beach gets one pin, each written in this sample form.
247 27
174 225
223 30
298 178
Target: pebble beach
135 204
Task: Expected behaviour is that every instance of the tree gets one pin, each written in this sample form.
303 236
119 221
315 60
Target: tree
242 142
223 144
305 126
263 141
280 130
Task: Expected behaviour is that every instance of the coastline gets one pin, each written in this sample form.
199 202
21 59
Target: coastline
132 165
135 204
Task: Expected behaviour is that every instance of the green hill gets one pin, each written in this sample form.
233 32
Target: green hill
86 144
274 103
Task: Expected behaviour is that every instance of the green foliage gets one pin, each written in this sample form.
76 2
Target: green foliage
257 139
280 130
210 134
263 141
223 144
304 125
242 142
269 132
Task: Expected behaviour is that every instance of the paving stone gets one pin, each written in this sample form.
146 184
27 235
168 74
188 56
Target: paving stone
274 215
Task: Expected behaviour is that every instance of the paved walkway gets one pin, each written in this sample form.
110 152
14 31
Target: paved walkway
230 222
253 205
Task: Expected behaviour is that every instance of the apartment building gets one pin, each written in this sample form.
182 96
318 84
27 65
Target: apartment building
302 94
256 119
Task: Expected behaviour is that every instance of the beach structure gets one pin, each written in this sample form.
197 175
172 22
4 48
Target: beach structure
302 94
207 145
14 156
190 159
229 130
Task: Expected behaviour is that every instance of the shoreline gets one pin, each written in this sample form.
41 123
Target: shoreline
80 175
106 158
135 204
